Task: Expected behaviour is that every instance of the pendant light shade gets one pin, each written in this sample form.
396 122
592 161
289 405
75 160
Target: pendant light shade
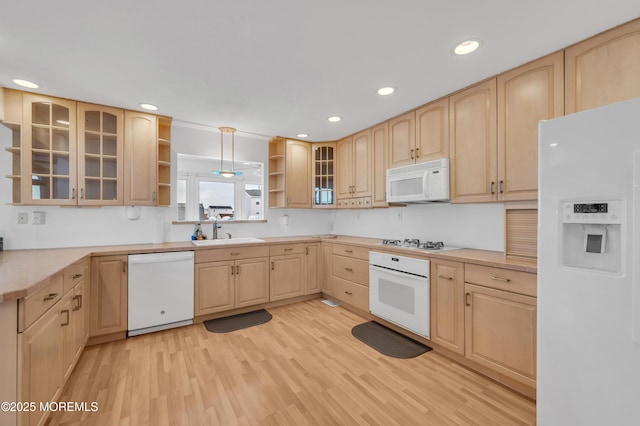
223 171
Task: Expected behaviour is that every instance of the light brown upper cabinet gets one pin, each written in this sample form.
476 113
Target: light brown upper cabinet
141 158
72 153
402 140
380 142
603 69
324 175
432 131
355 169
526 95
49 148
289 173
100 155
473 144
298 174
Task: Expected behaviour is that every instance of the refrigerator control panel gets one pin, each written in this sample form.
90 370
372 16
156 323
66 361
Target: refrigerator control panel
592 212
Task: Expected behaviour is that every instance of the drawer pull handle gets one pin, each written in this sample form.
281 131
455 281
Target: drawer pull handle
492 191
232 270
466 299
273 266
50 296
76 276
349 269
412 154
66 323
506 280
348 251
124 266
288 249
307 251
348 293
78 299
237 269
444 277
234 254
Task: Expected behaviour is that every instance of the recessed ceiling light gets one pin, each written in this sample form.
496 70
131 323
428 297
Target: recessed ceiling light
334 118
303 135
149 107
26 83
386 91
466 47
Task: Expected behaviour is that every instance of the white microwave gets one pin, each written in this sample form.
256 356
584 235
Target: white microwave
419 183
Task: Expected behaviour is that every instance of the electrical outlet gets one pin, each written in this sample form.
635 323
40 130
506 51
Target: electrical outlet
23 218
39 218
399 215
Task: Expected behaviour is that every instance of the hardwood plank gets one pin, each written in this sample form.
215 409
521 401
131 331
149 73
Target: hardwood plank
302 367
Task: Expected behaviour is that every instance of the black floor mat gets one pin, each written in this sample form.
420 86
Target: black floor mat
387 341
237 322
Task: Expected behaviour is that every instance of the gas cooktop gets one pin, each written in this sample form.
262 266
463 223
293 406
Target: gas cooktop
415 243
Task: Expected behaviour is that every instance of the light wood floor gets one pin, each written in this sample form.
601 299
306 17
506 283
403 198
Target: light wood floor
303 367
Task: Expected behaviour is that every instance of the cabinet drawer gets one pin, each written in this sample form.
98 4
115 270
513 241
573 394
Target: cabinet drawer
73 275
355 270
36 304
351 251
282 249
231 253
501 279
354 294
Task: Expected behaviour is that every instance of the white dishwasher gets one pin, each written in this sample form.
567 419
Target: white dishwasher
160 291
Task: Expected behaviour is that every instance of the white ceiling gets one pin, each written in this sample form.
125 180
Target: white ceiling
281 67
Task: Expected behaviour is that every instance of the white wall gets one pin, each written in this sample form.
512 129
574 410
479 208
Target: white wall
477 226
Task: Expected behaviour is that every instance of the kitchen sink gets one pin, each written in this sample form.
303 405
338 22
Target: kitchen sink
224 242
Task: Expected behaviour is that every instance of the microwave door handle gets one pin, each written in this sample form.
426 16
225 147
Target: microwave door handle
425 185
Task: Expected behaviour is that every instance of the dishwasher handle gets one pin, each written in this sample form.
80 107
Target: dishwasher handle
160 257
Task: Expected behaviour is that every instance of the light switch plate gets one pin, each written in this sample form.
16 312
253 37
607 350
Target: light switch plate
23 218
39 218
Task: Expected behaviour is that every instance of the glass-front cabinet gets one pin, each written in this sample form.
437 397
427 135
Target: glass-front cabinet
100 151
324 175
50 150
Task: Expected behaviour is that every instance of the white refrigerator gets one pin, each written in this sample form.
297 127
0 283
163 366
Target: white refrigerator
589 268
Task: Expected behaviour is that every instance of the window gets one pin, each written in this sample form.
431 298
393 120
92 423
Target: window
201 195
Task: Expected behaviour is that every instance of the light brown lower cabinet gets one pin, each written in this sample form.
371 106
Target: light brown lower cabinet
287 276
350 275
109 287
41 356
327 268
447 304
313 268
221 286
501 332
50 347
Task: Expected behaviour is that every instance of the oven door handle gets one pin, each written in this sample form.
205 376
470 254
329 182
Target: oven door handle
396 273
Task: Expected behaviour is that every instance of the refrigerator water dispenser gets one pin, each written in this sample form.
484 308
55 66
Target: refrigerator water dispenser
592 235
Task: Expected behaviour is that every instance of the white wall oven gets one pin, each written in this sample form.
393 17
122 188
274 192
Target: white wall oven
399 291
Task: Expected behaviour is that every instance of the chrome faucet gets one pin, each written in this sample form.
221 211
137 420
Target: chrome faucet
216 226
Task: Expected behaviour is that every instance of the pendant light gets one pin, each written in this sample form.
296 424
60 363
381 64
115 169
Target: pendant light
222 171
